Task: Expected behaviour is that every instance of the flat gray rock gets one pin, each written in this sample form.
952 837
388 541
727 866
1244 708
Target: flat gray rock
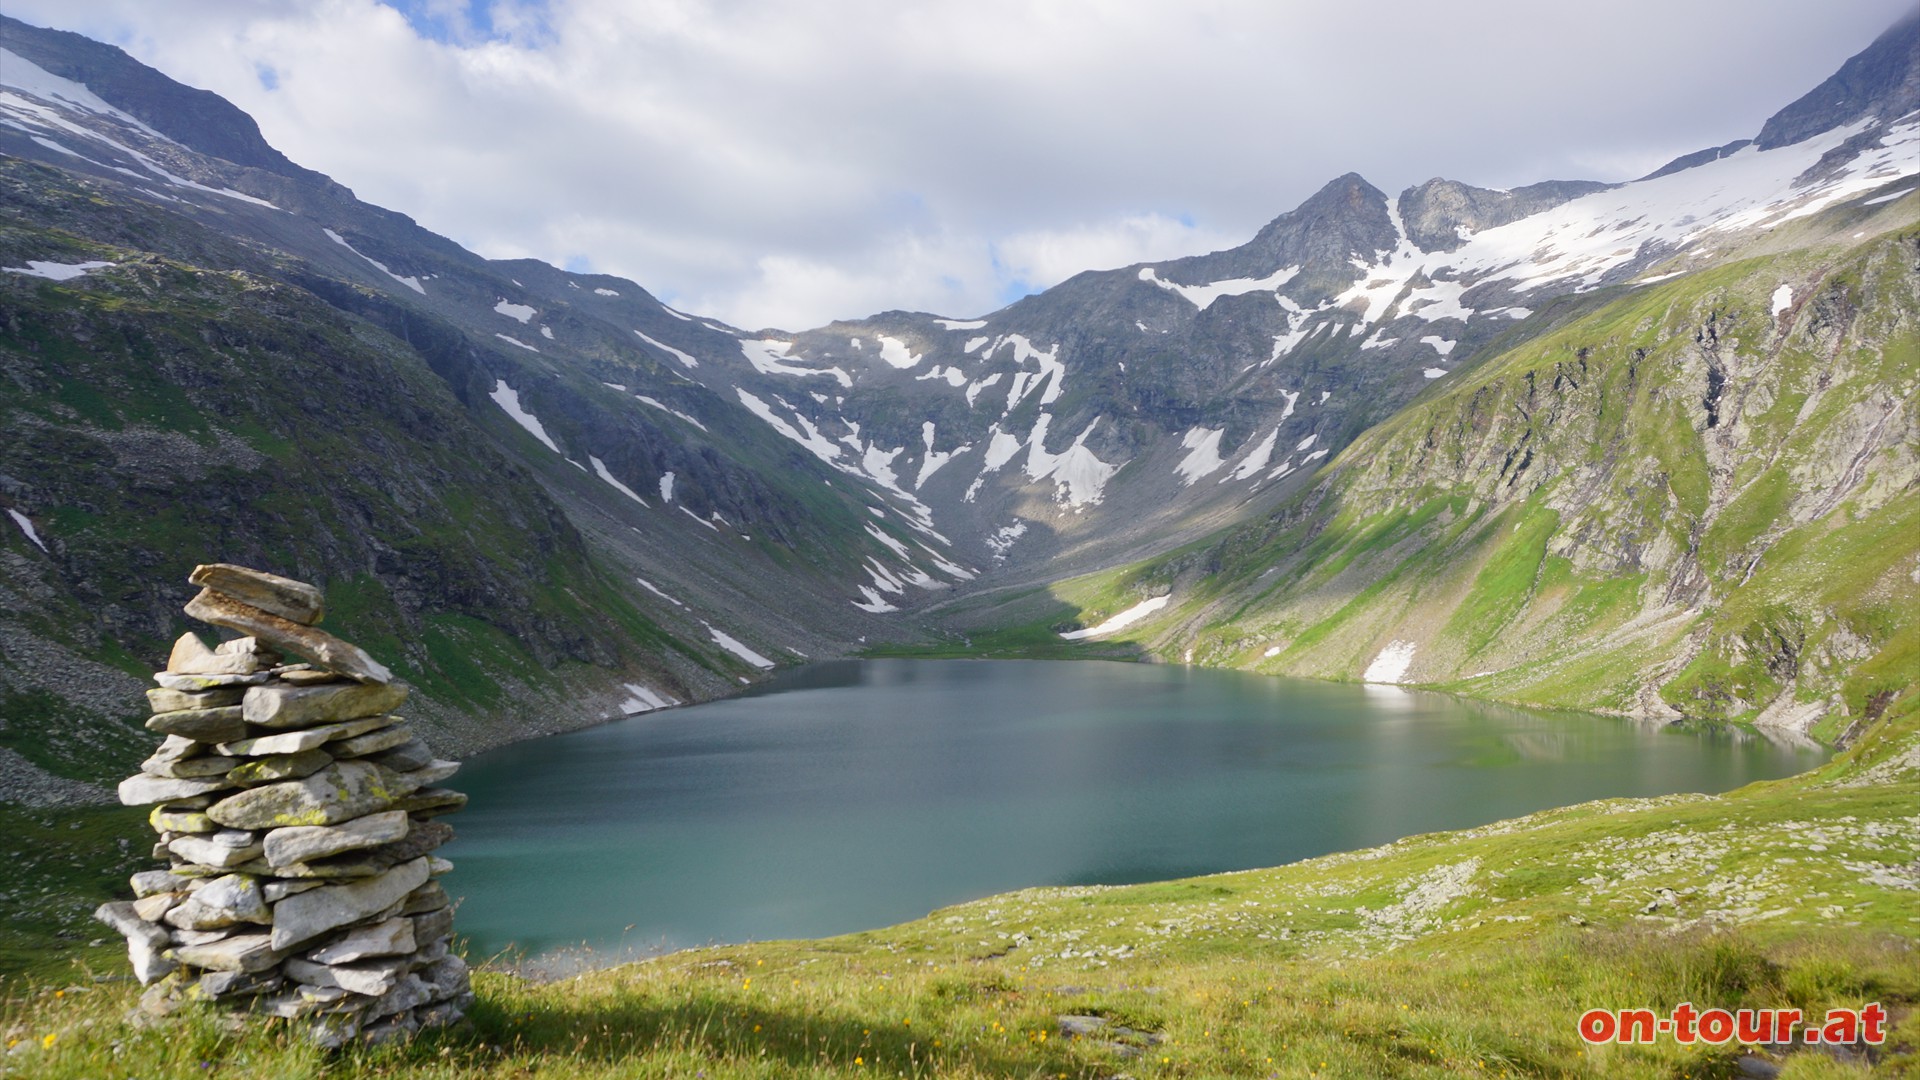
174 680
340 792
373 742
160 699
190 656
177 819
287 636
144 790
293 600
299 919
393 937
292 742
193 768
282 706
225 849
266 770
304 843
236 952
120 915
201 725
372 978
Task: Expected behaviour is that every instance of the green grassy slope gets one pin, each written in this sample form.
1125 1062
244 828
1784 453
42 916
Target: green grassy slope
1680 503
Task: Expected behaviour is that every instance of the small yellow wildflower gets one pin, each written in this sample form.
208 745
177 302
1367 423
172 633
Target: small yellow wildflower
47 1043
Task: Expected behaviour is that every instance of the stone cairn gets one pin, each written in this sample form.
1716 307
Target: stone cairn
300 816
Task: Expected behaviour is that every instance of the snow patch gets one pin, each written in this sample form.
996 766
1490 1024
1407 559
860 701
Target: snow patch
1434 372
600 468
642 700
516 341
666 487
1392 663
1782 299
895 352
1121 621
771 357
1001 540
962 324
54 271
1257 459
874 603
1204 458
20 519
1440 345
605 292
410 282
733 645
520 312
644 399
509 401
1203 296
684 358
655 590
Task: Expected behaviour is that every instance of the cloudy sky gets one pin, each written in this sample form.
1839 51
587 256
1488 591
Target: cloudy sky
782 163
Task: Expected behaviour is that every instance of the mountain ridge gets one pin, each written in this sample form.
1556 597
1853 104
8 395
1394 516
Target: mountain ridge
866 473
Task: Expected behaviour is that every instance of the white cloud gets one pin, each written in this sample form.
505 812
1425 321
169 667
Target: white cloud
784 164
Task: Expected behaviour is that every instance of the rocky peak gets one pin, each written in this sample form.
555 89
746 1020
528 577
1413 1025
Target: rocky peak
199 119
1882 81
1436 211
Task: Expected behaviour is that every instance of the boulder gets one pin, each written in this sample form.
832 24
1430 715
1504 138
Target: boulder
190 656
317 645
283 706
295 601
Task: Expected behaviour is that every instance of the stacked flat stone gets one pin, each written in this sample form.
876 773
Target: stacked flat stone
299 816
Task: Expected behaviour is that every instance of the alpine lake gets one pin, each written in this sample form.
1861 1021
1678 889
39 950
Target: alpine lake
856 794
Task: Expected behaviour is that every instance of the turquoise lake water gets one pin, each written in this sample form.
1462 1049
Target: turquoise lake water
853 795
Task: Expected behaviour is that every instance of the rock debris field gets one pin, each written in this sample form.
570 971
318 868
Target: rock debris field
299 816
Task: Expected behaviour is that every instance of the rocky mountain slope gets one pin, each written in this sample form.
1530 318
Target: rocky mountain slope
554 499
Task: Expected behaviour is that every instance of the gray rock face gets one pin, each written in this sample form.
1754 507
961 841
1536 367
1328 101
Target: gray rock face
295 601
274 706
288 636
299 919
340 792
304 843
